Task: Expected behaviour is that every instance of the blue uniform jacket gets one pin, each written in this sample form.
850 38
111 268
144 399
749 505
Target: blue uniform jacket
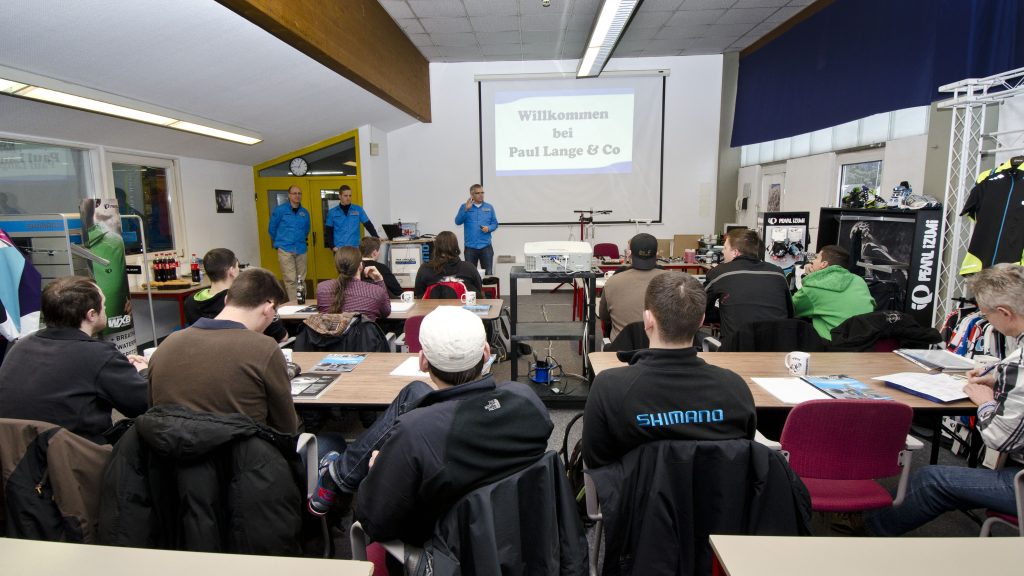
346 227
288 229
474 218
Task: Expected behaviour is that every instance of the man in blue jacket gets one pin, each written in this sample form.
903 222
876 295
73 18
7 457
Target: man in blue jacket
480 222
345 218
289 227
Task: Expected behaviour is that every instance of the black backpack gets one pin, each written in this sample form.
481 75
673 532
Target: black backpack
574 468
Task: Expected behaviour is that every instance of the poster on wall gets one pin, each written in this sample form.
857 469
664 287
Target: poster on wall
101 228
774 198
785 237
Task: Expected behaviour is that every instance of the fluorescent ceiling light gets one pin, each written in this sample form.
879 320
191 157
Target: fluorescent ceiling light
608 28
32 89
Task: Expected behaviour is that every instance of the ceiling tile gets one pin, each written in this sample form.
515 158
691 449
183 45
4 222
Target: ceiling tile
543 22
582 6
649 19
493 38
411 26
659 5
501 49
670 32
443 25
706 4
760 3
556 7
619 53
435 8
695 17
430 52
575 36
546 37
711 43
491 8
494 23
639 33
397 9
630 45
745 16
580 22
460 51
455 39
783 14
800 2
421 39
663 46
734 30
573 48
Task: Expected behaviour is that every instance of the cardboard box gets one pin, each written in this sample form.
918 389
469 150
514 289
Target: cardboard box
681 242
664 248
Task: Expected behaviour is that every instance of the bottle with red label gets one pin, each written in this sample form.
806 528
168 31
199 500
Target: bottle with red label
197 275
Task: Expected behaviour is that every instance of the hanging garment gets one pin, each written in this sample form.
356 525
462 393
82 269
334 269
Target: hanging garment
20 291
996 204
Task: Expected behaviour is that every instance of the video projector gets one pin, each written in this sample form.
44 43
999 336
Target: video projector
557 256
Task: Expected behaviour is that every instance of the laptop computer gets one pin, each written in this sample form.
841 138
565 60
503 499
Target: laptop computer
392 230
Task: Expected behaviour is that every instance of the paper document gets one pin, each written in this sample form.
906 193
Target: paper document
934 387
399 306
790 390
297 309
411 367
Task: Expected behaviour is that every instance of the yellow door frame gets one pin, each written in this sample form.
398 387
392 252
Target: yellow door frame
320 261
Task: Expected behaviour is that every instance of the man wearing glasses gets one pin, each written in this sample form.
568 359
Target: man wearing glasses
289 228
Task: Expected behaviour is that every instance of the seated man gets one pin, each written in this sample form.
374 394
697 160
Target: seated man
830 294
622 299
370 249
221 267
437 442
225 365
666 392
745 289
64 376
999 394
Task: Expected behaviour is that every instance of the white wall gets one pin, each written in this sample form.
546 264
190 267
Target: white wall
431 166
904 160
810 184
204 227
374 176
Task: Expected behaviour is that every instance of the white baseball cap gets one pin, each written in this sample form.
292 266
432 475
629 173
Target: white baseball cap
452 339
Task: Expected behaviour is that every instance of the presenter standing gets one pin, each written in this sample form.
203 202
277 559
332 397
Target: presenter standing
480 222
345 218
289 227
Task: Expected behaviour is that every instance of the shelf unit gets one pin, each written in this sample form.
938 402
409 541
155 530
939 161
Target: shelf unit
579 330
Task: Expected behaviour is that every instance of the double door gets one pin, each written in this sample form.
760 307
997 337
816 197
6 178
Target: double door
318 196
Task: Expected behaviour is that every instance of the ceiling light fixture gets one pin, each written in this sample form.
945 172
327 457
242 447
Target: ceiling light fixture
51 91
608 27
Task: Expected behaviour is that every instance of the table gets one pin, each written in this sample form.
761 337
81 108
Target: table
369 384
419 308
860 365
179 294
786 555
32 558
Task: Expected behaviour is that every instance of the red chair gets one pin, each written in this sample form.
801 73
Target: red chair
1008 519
606 250
839 447
411 337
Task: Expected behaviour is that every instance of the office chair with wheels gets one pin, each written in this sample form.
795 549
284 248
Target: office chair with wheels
606 250
839 447
410 339
1008 519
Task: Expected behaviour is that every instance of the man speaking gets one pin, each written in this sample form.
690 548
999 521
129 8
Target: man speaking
480 221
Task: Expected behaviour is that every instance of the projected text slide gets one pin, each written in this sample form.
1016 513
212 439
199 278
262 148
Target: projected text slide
563 132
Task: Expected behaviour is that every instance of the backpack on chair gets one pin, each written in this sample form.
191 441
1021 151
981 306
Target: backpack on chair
449 287
574 469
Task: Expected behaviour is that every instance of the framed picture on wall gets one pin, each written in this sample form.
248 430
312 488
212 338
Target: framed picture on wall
774 198
225 201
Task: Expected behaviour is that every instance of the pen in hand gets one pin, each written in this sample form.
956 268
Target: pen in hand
988 369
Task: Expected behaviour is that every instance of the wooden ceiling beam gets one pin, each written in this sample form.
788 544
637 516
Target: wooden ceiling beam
355 38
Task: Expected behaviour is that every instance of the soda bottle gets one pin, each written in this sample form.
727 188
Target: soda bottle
196 277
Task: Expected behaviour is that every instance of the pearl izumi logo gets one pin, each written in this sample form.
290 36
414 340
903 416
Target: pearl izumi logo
921 295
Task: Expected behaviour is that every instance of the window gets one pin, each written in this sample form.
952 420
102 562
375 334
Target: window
40 178
143 189
860 174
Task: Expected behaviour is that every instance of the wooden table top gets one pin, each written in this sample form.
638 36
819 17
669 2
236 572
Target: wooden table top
369 384
141 291
419 308
860 365
779 555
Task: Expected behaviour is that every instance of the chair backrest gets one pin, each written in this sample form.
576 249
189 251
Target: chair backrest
631 337
606 250
784 335
846 439
446 289
362 335
412 333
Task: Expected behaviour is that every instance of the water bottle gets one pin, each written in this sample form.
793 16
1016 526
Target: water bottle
300 291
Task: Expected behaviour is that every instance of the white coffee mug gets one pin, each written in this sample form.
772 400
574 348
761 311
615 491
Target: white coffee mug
609 274
287 354
148 353
407 297
799 363
469 298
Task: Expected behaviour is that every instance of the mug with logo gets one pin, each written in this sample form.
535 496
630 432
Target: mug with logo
407 297
799 363
469 298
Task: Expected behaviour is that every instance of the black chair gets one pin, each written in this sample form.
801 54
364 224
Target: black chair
775 336
862 332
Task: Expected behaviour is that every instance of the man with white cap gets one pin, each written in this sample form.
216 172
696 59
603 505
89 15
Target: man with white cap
437 442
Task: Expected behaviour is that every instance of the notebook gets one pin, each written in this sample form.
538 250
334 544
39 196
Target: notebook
936 359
